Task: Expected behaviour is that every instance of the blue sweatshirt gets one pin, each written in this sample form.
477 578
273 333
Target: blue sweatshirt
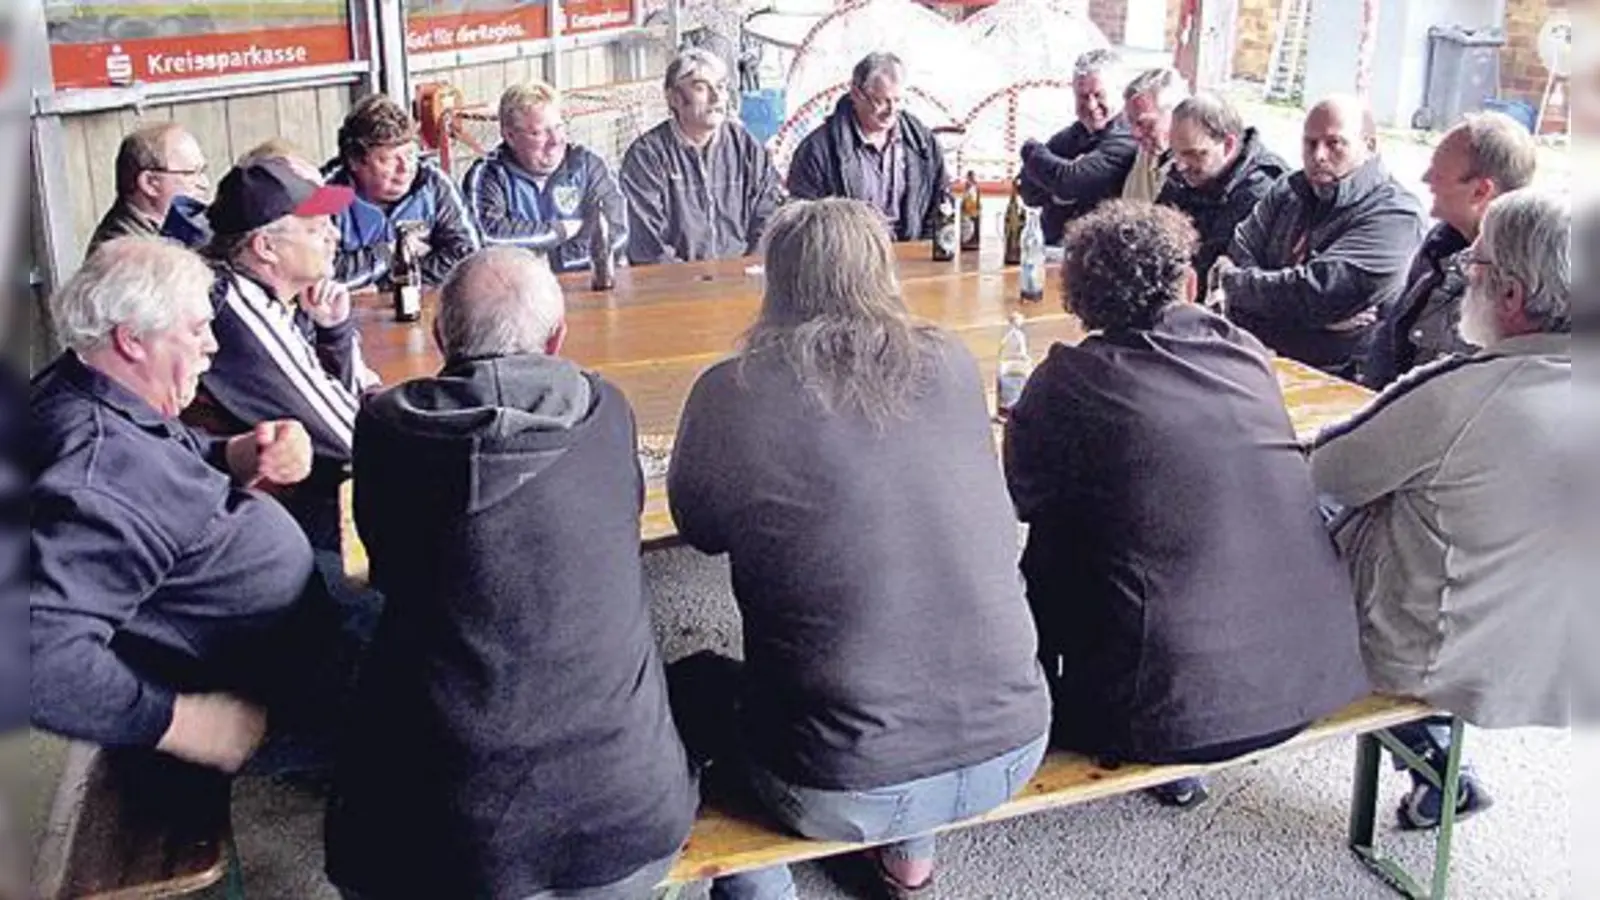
514 206
367 232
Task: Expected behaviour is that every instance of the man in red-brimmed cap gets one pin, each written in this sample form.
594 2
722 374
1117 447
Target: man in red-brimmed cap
287 344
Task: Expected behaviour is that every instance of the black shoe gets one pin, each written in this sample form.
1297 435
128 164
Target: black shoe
1420 809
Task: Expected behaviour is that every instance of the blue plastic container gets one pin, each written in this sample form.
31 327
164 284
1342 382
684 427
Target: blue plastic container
762 112
1521 110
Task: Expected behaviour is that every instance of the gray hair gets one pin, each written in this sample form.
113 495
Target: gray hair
1095 62
145 284
500 301
1211 113
1500 148
1527 234
1165 85
874 64
691 61
833 310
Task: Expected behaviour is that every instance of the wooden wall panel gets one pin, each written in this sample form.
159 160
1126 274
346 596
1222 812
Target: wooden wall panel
299 121
333 104
251 120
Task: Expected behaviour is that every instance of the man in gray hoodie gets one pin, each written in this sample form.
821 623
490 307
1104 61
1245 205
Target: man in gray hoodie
1326 248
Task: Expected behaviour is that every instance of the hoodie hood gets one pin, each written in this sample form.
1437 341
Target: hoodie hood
505 419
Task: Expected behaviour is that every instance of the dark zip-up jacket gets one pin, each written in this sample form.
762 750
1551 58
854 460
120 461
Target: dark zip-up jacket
1217 208
138 532
1186 592
511 732
1074 171
1312 273
686 204
121 220
510 207
1422 325
825 165
367 232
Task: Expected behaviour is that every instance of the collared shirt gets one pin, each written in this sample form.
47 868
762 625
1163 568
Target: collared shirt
882 171
136 530
1147 176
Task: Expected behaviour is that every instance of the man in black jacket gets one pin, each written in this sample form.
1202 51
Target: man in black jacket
1484 156
1220 170
512 734
1326 248
873 150
1088 161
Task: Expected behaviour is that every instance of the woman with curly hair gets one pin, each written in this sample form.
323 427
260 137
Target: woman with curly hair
1189 603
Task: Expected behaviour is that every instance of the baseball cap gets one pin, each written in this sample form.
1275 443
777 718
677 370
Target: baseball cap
267 190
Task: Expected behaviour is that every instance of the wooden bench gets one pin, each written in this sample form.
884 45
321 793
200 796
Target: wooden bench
726 841
130 825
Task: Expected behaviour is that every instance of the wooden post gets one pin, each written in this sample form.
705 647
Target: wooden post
1366 49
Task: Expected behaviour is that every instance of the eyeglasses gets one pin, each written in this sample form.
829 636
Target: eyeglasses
188 173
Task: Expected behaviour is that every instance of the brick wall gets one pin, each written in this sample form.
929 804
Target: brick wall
1522 76
1257 29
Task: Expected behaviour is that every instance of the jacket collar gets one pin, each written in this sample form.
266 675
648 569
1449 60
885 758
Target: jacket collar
1542 343
109 392
503 155
1367 179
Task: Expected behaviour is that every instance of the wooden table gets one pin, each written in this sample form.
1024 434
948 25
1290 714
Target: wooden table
663 325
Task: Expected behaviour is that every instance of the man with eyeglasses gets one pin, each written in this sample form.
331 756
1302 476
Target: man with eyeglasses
1485 155
699 186
539 191
378 159
156 165
871 149
1458 495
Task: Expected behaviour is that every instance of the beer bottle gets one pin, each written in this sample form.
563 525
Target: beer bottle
1032 276
601 259
971 214
945 236
1014 367
405 276
1013 255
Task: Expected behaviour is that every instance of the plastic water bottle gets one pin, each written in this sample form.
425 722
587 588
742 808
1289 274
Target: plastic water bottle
1032 258
1015 365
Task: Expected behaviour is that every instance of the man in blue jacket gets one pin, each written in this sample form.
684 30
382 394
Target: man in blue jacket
378 159
539 191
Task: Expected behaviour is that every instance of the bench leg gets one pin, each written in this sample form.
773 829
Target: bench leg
234 881
1364 812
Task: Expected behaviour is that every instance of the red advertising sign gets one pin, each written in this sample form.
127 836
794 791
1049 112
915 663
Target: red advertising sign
108 63
589 16
443 32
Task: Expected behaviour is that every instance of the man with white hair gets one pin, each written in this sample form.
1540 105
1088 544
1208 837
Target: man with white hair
698 185
515 663
1453 482
287 344
540 191
872 149
159 577
1326 250
1148 105
1089 160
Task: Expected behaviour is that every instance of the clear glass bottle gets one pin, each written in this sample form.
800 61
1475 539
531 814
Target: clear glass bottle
1032 275
1015 365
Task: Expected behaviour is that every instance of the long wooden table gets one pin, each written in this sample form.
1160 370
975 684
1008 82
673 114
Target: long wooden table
663 325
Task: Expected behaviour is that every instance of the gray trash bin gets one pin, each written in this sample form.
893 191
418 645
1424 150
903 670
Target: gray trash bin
1463 73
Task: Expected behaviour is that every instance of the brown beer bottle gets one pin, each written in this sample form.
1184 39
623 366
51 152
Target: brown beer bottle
601 260
971 214
405 276
1014 219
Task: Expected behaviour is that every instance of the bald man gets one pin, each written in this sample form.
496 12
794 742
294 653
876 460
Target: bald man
1327 249
515 661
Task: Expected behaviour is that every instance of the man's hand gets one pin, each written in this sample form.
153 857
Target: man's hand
1221 267
328 303
277 452
216 730
570 228
1029 147
416 243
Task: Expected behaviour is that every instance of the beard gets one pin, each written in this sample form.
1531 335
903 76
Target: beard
1478 325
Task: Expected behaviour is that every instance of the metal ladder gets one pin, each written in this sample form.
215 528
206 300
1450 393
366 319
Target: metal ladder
1286 67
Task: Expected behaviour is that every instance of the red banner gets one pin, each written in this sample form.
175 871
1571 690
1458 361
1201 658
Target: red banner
459 31
112 63
589 16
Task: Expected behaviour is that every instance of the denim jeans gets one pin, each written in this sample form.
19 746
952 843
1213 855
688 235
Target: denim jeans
639 885
1428 738
906 813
